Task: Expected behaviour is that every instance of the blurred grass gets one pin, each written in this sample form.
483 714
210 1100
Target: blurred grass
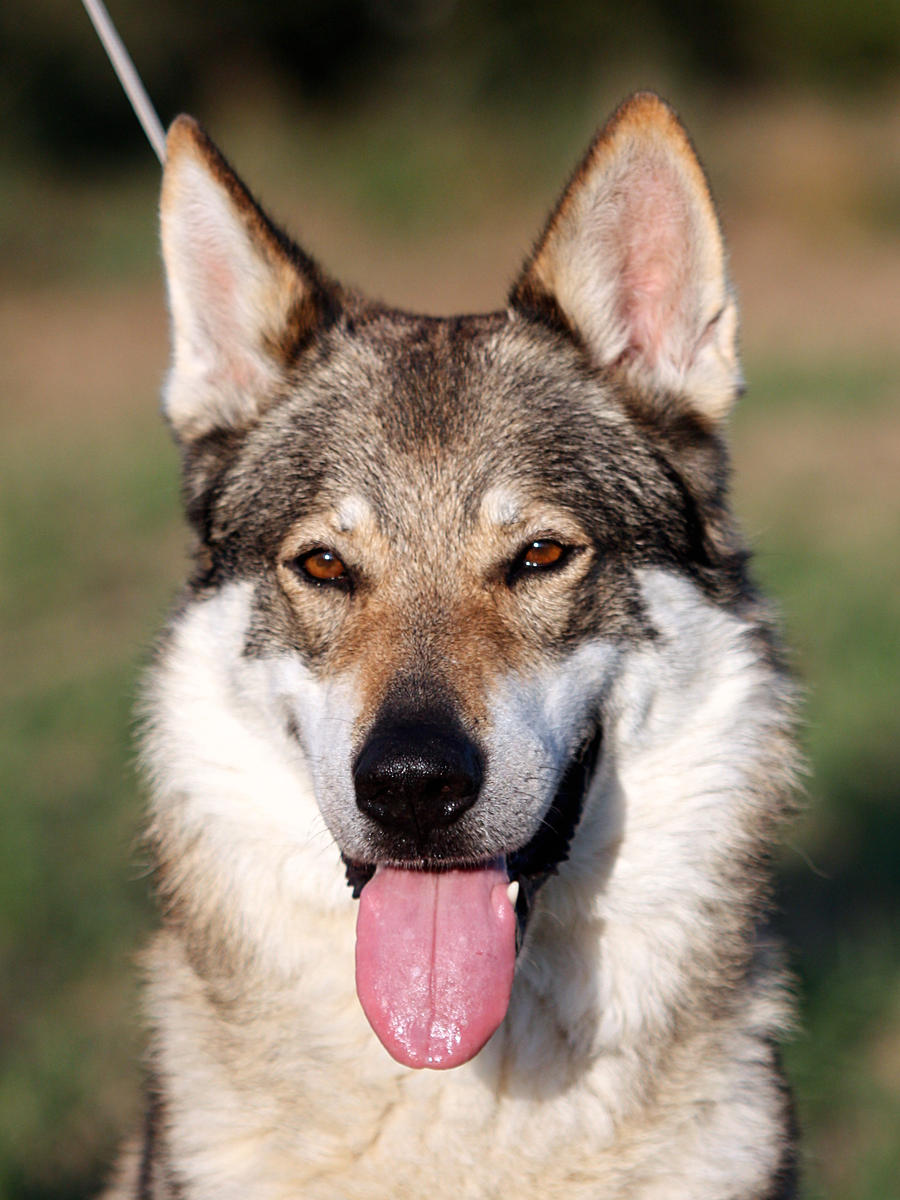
86 562
91 550
816 450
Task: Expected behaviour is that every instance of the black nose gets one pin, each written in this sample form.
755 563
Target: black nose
413 777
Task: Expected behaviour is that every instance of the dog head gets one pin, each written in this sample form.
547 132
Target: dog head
422 544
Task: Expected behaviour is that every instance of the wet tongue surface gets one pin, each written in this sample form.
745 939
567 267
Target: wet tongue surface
435 954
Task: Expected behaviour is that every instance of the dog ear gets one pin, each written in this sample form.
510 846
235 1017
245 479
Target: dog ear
243 299
632 264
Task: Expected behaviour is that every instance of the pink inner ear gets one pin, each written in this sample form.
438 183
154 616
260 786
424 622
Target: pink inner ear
219 279
214 299
654 234
218 307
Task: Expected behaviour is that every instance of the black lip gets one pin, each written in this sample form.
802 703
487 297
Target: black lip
550 845
540 858
535 862
358 874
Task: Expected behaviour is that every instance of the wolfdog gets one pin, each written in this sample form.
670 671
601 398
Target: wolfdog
469 738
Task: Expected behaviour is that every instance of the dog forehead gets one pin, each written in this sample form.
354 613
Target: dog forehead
401 396
428 382
461 421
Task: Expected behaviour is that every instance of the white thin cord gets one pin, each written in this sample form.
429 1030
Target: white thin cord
128 76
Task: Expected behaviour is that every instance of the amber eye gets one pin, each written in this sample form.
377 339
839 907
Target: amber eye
321 566
540 555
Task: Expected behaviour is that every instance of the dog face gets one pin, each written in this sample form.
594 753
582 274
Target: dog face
424 545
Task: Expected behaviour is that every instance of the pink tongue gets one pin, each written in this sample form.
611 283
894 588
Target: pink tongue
435 954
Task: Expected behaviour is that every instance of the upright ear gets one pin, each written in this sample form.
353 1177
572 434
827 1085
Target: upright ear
243 300
632 263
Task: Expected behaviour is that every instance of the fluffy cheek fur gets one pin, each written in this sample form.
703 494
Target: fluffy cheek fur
667 858
229 775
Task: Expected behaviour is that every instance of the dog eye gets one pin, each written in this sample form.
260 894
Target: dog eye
541 555
322 566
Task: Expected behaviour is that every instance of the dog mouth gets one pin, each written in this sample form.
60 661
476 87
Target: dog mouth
437 943
540 858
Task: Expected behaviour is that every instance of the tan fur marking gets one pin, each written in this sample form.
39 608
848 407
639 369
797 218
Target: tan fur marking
465 627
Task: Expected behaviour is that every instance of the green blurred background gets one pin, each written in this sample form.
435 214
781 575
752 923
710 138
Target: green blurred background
414 146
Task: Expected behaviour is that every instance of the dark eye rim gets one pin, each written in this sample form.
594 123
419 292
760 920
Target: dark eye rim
519 568
342 583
